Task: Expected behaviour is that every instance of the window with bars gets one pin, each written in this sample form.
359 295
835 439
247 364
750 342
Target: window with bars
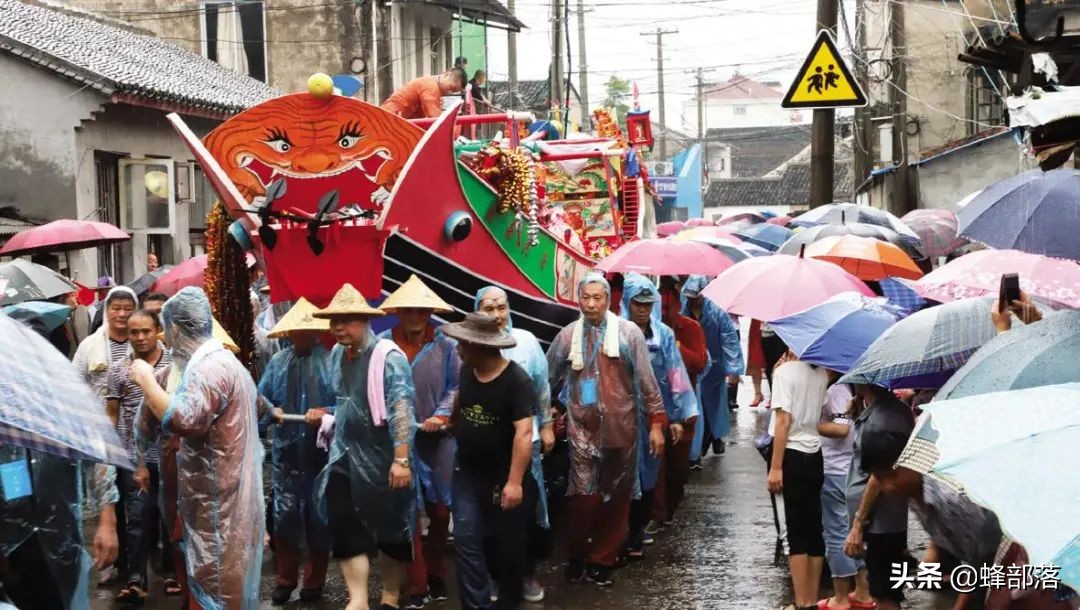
985 105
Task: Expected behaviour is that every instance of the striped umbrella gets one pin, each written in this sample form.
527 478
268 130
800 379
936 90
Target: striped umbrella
45 405
901 293
926 348
840 213
936 229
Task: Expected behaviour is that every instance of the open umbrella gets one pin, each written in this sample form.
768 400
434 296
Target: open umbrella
750 218
727 233
924 349
45 404
835 333
840 213
1036 212
21 280
901 293
1012 453
770 287
1051 280
699 222
765 235
146 280
666 229
864 257
187 273
735 251
52 314
809 235
937 230
783 221
1041 353
666 257
61 235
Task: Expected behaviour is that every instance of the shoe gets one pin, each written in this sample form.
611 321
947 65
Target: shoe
635 552
310 595
108 577
600 576
669 522
696 465
494 595
414 602
532 591
653 528
132 595
172 587
575 570
437 589
855 603
718 446
647 538
281 594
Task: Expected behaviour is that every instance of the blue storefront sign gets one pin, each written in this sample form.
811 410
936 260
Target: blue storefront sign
666 186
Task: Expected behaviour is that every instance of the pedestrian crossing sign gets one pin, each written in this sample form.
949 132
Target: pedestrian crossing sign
824 81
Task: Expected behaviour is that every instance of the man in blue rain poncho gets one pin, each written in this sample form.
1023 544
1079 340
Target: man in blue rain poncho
366 492
297 381
435 368
219 465
725 360
641 305
528 354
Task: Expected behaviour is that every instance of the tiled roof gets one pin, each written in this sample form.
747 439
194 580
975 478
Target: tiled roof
741 88
791 187
116 61
531 93
487 12
756 151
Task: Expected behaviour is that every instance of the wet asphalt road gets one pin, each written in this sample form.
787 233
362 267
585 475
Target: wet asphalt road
718 555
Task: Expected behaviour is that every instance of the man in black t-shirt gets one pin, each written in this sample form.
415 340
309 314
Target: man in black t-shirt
493 499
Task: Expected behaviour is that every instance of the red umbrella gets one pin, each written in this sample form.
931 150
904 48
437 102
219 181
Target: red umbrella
61 235
187 273
771 287
666 257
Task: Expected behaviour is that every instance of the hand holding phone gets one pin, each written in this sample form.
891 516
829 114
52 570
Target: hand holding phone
1009 291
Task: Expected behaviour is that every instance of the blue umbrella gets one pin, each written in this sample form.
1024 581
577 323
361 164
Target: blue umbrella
347 84
923 350
1043 353
835 333
901 292
1012 453
1036 212
52 314
45 404
765 235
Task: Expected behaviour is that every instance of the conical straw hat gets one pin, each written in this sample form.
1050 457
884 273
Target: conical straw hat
218 333
414 294
348 302
300 317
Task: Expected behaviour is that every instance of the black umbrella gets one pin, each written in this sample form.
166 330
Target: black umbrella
146 280
21 280
861 229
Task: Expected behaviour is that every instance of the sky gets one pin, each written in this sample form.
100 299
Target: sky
763 39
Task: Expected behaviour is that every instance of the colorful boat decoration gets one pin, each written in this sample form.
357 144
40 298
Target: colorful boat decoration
329 189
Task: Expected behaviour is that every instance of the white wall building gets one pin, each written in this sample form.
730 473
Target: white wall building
742 102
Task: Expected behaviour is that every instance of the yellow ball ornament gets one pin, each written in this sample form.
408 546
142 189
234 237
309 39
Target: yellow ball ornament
320 85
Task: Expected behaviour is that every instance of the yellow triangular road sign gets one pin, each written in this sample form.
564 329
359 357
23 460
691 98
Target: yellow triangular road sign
824 81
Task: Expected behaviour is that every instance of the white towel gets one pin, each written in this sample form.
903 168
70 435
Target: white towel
611 340
97 356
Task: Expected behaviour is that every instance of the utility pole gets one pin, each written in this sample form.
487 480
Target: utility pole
583 68
700 86
660 33
821 133
901 196
864 161
511 57
557 62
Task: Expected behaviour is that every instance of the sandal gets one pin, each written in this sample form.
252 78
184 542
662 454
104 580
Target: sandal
758 399
858 605
172 587
133 594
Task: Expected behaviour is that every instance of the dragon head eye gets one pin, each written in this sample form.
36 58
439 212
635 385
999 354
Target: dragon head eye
280 145
348 141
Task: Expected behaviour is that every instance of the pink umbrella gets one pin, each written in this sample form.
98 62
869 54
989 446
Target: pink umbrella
666 229
699 222
783 221
770 287
752 218
937 229
727 233
187 273
62 235
1051 280
666 257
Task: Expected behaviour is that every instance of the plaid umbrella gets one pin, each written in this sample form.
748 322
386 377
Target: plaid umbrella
45 405
767 236
936 229
901 292
923 350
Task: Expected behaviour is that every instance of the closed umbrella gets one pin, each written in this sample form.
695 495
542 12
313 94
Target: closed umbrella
864 257
62 235
924 349
835 333
1041 353
45 405
770 287
21 280
1051 280
765 235
666 229
187 273
1012 452
901 293
937 230
52 314
840 213
666 257
1036 212
809 235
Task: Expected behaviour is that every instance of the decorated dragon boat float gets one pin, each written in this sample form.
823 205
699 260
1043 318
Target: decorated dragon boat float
325 189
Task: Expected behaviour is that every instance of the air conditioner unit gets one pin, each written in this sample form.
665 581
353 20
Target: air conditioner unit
661 168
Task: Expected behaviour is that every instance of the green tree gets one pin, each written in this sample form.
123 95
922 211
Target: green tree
618 97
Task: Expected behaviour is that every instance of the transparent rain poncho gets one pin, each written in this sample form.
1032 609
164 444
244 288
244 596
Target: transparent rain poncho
219 464
297 383
604 435
529 355
725 358
680 403
366 451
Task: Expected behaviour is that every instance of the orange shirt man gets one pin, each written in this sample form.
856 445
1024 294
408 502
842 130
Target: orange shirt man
422 97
